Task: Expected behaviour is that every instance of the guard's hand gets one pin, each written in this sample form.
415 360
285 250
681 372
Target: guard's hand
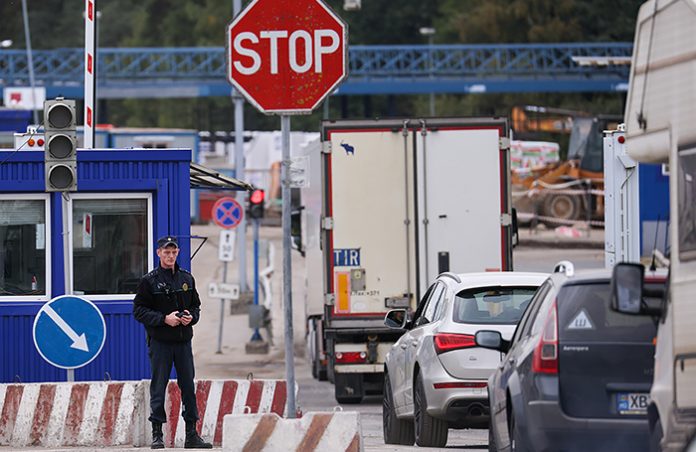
186 318
172 320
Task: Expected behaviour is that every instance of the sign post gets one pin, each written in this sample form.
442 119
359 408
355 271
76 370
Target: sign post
228 214
69 332
286 58
90 72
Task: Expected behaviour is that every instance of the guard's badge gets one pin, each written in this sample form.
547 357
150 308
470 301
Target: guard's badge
185 287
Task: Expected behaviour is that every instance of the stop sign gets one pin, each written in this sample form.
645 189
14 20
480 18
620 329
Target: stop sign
286 56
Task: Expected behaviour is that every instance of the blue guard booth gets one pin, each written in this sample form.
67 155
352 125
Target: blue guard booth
95 243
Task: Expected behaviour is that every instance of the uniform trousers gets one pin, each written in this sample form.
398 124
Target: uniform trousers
162 356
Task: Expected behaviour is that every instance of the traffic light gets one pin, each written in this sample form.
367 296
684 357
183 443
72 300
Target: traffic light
60 149
256 204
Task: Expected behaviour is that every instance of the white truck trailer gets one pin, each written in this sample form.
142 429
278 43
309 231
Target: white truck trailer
661 128
401 202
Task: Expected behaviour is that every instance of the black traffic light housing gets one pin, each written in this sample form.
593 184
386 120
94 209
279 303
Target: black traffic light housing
60 148
257 200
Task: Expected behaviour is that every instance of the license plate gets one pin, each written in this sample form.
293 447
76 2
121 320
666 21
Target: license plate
632 402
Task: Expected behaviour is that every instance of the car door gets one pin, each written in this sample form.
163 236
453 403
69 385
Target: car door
397 358
508 366
415 337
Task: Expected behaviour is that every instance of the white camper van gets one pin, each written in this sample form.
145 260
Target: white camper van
661 127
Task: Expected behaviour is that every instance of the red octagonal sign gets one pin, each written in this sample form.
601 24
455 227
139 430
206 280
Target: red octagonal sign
286 56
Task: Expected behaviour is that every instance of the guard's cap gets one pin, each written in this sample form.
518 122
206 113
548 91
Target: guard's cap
167 240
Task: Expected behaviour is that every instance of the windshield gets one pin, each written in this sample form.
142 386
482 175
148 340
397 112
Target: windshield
497 305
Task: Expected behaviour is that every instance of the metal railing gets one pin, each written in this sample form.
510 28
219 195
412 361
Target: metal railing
372 69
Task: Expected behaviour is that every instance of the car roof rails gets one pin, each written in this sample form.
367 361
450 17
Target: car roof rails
454 276
565 267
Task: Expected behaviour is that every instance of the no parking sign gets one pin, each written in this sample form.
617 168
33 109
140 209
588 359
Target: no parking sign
227 213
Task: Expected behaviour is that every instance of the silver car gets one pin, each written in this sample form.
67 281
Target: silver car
435 375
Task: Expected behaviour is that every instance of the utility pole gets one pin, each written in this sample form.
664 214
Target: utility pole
239 170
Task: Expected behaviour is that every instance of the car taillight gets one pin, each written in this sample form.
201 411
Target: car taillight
446 342
545 357
350 357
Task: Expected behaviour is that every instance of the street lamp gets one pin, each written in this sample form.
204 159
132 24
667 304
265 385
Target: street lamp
430 32
6 43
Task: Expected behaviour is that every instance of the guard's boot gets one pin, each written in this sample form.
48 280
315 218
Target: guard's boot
157 436
193 441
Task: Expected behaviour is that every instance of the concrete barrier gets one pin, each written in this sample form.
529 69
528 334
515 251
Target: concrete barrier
71 414
116 413
216 398
315 431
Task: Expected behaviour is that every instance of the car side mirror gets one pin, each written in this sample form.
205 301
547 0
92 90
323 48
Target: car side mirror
627 288
396 319
492 340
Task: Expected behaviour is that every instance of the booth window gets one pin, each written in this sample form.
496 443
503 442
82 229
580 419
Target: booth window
23 247
110 245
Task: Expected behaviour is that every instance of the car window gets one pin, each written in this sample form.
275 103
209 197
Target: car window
585 315
445 296
494 305
422 304
434 302
532 310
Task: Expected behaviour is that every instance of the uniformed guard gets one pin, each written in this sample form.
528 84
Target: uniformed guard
168 305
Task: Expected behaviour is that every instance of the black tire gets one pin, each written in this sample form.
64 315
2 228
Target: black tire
515 443
395 430
656 437
492 446
322 374
561 207
430 431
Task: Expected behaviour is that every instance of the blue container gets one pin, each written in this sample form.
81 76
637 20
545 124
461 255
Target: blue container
164 175
654 209
15 120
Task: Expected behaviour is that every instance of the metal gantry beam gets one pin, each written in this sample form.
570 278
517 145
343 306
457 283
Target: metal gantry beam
200 71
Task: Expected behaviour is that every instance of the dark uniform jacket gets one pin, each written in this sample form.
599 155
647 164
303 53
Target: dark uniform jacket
162 292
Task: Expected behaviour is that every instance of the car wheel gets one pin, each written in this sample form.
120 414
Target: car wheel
396 431
492 447
515 445
430 431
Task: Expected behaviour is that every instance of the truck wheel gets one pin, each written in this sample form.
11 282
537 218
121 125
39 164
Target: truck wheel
561 207
396 431
430 431
318 371
348 388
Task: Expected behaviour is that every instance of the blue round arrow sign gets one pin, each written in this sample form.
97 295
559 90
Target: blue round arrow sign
69 331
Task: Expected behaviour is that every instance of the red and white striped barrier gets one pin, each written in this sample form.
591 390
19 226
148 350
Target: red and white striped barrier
335 432
217 398
70 414
116 413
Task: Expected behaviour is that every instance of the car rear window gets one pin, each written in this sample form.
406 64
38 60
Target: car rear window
496 305
585 315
